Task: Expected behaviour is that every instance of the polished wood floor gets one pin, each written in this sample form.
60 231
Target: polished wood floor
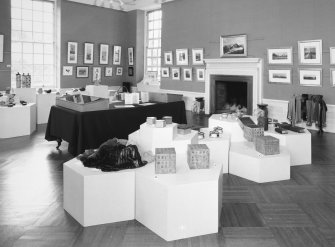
298 212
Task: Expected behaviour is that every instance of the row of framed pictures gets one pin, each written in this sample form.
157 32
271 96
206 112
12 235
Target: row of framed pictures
83 72
182 57
72 53
307 77
187 73
309 53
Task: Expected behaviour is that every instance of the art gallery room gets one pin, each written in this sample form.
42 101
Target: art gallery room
167 123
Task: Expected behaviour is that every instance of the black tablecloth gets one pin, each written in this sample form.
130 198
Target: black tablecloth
87 130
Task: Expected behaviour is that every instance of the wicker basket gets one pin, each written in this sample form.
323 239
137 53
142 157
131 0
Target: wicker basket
251 131
267 145
245 121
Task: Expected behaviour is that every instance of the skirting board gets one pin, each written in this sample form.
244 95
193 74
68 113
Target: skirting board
278 110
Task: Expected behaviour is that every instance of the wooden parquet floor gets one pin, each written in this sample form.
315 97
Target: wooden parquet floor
297 212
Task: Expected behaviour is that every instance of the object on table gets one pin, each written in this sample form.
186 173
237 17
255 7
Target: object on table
198 156
160 124
201 135
165 160
281 130
267 145
251 131
214 134
183 129
151 120
168 119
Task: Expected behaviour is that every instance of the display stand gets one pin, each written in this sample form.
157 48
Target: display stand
26 94
246 162
181 205
229 125
298 144
94 197
44 103
98 91
18 120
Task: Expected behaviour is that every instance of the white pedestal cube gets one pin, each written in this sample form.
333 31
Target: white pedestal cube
181 205
218 148
298 144
228 125
94 197
98 91
246 162
44 102
18 120
26 94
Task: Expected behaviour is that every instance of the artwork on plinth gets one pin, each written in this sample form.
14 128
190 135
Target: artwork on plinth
104 50
310 77
175 73
201 74
233 45
280 56
88 53
332 77
198 56
131 55
165 72
182 57
109 71
168 58
117 55
96 75
67 70
310 52
187 74
282 76
82 72
72 52
332 55
119 70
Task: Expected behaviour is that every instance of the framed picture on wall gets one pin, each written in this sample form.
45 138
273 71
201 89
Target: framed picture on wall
182 57
130 71
1 47
168 58
187 74
175 73
332 55
200 74
310 52
109 71
332 77
198 56
82 72
131 55
67 70
72 52
165 72
88 53
117 55
280 56
233 45
104 49
96 74
310 77
119 70
282 76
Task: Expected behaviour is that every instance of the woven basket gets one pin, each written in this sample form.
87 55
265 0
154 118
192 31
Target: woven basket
245 121
251 131
267 145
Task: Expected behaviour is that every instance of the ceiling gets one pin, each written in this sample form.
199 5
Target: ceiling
125 5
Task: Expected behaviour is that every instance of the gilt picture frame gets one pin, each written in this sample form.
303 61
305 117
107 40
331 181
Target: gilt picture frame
233 45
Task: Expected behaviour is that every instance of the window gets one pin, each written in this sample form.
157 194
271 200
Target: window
153 56
33 41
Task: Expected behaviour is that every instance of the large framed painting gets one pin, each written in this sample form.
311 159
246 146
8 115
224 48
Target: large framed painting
233 45
280 56
181 56
72 52
282 76
310 52
88 53
117 55
310 77
104 49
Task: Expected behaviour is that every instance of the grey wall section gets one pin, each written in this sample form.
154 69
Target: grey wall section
268 24
5 29
84 23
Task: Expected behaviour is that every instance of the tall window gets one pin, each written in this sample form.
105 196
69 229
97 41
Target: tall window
33 41
154 27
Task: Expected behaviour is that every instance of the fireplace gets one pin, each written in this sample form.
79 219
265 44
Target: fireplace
230 71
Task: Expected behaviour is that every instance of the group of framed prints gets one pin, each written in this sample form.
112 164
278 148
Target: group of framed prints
309 53
83 72
182 59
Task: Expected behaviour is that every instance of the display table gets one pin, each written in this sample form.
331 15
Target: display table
228 125
18 120
298 144
181 205
246 162
94 197
87 130
44 102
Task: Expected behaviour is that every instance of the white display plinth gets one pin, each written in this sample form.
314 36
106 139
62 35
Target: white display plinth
298 144
94 197
26 94
98 91
218 148
18 120
44 103
181 205
246 162
228 125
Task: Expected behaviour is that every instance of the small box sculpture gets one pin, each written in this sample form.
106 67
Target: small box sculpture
151 120
267 145
165 160
198 156
184 129
160 124
251 131
168 119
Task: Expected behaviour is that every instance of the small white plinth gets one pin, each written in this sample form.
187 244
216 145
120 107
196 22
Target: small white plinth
298 144
98 91
44 103
228 125
94 197
246 162
26 94
181 205
218 148
18 120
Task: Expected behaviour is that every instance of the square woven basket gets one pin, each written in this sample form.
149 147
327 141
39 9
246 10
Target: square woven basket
267 145
251 131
